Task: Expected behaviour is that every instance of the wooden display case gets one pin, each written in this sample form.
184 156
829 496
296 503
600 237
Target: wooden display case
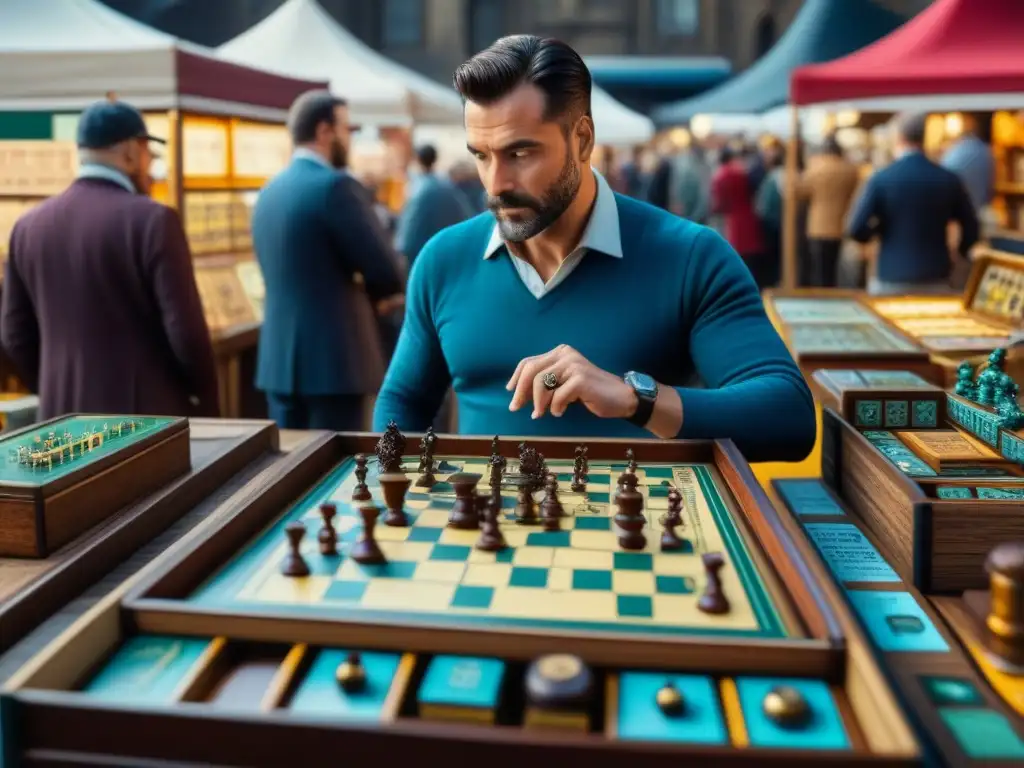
174 697
32 589
824 328
953 329
873 399
1008 153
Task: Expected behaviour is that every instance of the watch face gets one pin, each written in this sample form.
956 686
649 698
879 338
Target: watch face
644 385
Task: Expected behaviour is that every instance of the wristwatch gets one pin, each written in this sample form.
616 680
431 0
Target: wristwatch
646 389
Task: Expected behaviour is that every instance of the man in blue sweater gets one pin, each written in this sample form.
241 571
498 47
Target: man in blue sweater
582 312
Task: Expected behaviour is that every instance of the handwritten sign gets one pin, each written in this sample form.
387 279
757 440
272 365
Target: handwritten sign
36 168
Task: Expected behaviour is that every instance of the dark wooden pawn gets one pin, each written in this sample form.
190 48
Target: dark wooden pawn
713 600
293 564
630 461
670 540
366 551
551 508
394 486
464 511
630 517
491 538
361 492
526 508
328 537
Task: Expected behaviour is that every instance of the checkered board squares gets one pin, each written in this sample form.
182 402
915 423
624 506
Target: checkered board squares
574 578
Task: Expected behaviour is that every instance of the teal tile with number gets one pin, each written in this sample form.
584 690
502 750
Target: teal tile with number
823 730
849 554
640 719
462 682
896 622
147 669
319 694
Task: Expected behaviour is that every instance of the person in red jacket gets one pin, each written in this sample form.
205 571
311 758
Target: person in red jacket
733 199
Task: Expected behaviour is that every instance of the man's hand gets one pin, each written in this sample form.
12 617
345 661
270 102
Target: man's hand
604 394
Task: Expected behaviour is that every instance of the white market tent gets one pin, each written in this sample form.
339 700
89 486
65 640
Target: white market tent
66 60
616 124
301 39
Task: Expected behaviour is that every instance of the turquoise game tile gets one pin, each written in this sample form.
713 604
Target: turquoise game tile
808 497
548 539
896 622
592 523
128 677
673 585
564 477
685 549
425 534
447 467
320 696
951 690
323 565
442 502
525 576
849 554
633 561
418 496
467 596
701 722
591 580
824 729
462 681
395 569
599 497
660 473
897 413
953 492
440 488
346 590
658 491
635 606
983 734
924 413
1001 493
508 502
868 413
599 480
450 552
506 555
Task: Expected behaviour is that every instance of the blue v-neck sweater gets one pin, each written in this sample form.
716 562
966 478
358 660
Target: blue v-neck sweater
679 305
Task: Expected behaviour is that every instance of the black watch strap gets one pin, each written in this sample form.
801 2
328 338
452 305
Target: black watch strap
644 410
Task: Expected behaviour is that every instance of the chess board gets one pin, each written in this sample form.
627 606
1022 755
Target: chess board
576 578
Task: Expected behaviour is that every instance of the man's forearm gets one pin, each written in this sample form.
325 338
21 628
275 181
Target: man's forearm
667 417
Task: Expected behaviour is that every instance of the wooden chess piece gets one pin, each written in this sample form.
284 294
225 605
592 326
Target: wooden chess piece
713 600
526 509
464 512
1005 620
293 564
551 508
361 492
394 486
328 537
351 674
630 461
491 538
786 707
426 478
670 541
366 551
630 517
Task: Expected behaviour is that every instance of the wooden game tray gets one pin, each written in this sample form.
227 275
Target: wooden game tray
60 718
33 589
874 399
935 544
984 424
45 505
920 663
853 315
811 645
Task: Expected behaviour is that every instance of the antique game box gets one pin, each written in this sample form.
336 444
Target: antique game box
834 329
218 452
509 601
955 327
956 659
873 399
63 476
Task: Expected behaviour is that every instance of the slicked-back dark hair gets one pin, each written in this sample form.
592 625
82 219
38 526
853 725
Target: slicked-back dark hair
549 64
308 111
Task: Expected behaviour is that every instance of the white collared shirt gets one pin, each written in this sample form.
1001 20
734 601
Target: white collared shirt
602 234
97 171
302 153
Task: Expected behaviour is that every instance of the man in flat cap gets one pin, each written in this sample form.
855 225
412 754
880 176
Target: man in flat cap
100 311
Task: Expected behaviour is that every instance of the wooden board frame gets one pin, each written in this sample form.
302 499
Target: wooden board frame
917 362
905 669
158 603
934 544
39 518
52 582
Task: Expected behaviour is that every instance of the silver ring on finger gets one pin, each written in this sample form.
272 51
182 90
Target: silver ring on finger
550 381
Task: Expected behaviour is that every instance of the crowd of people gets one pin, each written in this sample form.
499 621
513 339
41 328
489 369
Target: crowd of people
369 313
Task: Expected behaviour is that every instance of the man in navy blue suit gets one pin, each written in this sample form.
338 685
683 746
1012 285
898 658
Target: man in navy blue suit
328 269
908 206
